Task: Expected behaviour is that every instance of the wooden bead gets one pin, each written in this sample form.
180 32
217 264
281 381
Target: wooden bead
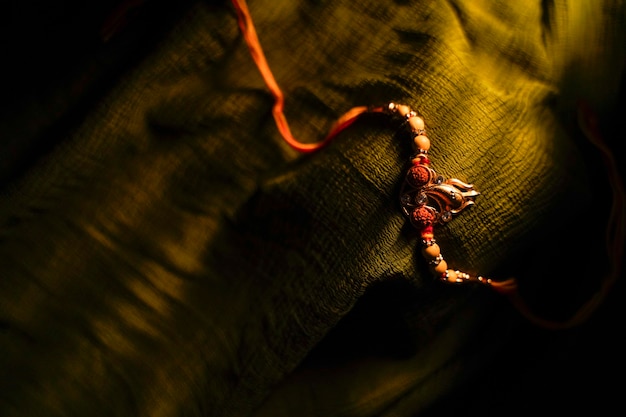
431 251
416 123
452 275
441 267
403 110
422 142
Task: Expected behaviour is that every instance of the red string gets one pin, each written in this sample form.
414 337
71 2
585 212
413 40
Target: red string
254 45
614 238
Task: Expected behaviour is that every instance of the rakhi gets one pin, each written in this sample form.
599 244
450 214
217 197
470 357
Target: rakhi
428 199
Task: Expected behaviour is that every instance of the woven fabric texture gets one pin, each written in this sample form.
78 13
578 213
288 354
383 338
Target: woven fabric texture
170 255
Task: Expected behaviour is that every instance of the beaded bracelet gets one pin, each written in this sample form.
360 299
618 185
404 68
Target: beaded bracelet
427 198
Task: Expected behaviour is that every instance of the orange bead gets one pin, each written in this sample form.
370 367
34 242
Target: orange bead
441 267
422 142
431 251
416 123
452 275
403 110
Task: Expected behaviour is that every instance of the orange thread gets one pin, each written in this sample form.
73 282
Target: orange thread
254 45
614 238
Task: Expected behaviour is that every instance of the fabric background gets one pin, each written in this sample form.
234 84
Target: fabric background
164 252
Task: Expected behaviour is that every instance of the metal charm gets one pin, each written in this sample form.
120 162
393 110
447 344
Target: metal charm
427 198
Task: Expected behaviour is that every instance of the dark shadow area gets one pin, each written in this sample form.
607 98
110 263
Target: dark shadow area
59 59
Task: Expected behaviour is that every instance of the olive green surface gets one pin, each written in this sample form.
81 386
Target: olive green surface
171 255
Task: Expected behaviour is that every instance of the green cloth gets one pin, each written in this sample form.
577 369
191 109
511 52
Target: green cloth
172 256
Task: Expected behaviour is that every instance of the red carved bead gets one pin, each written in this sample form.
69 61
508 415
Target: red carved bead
418 175
423 216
